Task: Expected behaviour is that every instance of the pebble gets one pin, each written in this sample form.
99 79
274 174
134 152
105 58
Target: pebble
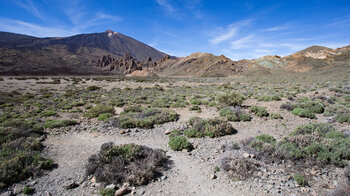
110 186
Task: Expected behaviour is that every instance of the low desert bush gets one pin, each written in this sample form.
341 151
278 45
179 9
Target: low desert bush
195 108
97 110
259 111
59 123
147 118
104 116
239 168
20 156
107 192
28 190
343 115
93 88
127 163
275 116
305 113
300 179
234 114
48 113
287 106
317 143
216 127
178 143
231 99
313 106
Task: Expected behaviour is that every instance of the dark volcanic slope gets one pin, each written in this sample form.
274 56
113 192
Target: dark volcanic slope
21 54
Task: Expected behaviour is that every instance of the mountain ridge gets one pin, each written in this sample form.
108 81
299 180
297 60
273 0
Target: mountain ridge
114 53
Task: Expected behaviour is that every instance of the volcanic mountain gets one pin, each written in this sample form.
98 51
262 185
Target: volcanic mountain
22 54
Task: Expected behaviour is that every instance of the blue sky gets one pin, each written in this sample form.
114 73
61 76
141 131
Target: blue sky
238 29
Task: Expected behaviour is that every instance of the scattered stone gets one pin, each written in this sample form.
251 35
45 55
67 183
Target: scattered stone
93 179
163 177
71 185
110 186
121 191
167 132
185 150
18 189
246 155
122 131
7 193
213 176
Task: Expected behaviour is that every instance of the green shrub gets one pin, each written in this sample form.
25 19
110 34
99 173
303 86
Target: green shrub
127 163
97 110
313 106
300 180
77 104
276 116
212 127
28 190
104 116
343 115
264 98
331 110
231 99
48 113
147 118
195 102
305 113
93 88
133 108
174 133
266 138
319 143
32 126
107 192
234 114
259 111
191 133
195 108
179 143
59 123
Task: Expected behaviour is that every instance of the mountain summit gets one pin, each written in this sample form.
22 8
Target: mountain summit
22 54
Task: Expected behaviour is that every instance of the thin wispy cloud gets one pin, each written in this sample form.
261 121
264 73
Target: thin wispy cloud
277 28
166 5
30 7
18 26
104 16
243 42
230 32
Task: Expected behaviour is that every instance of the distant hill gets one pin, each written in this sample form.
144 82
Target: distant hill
22 54
312 58
198 65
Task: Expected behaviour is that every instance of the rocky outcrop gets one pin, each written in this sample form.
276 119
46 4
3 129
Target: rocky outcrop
125 65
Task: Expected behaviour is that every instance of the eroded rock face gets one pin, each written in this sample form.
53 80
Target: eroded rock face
124 65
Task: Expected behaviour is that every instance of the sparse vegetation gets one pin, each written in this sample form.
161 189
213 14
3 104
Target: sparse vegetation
212 128
117 164
147 118
259 111
59 123
234 114
231 99
300 180
179 143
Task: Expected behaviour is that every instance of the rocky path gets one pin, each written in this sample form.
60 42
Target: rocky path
189 174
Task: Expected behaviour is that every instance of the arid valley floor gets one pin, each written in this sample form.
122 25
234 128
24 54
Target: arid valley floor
220 136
